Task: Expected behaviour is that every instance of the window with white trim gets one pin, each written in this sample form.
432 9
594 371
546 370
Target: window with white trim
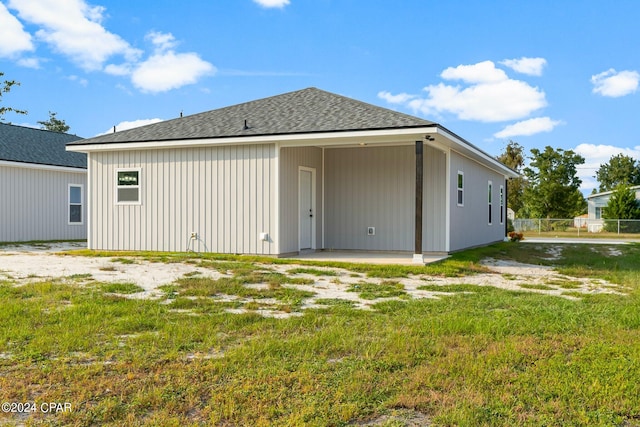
490 204
501 204
460 188
75 205
128 186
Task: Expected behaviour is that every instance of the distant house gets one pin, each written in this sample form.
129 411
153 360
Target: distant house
306 170
42 186
596 203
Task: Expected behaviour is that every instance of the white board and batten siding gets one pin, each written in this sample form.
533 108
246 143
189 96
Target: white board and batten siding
292 159
375 187
34 203
223 194
470 222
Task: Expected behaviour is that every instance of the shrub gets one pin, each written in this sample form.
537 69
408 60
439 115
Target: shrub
515 236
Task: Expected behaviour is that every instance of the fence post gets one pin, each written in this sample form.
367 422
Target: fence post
539 226
618 226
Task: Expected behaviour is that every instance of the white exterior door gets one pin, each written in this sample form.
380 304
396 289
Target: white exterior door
306 208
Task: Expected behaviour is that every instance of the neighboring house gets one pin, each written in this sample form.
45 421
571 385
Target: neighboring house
302 170
596 203
42 186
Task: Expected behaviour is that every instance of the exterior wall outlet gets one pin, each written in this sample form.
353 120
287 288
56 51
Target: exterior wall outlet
264 237
371 231
194 235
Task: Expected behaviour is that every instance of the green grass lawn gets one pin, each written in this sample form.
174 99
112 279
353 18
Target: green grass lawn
481 356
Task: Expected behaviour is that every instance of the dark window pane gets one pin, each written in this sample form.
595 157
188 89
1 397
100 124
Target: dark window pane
128 178
75 213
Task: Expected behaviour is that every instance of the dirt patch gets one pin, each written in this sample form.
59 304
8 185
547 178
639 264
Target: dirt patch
20 265
398 417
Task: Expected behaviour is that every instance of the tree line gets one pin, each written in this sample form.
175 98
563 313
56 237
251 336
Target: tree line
549 186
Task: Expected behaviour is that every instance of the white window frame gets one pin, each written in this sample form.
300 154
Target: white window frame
490 204
81 204
139 186
502 204
460 190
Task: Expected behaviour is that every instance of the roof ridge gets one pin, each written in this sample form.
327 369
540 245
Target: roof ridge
38 129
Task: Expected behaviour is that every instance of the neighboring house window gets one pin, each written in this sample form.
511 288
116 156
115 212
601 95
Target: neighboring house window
128 186
598 212
501 204
460 188
490 204
75 204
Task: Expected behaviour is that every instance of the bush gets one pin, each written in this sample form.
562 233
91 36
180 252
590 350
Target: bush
515 237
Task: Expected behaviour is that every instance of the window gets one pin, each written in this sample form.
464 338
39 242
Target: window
75 204
490 195
128 186
460 188
598 212
501 204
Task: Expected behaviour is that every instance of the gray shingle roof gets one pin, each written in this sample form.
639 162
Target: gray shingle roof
28 145
308 110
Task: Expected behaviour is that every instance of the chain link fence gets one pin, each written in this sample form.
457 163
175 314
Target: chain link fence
577 227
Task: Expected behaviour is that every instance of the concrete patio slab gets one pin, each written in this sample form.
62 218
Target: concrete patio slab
365 257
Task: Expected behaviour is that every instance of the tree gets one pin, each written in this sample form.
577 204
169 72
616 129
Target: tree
5 87
54 124
622 205
553 189
513 157
621 169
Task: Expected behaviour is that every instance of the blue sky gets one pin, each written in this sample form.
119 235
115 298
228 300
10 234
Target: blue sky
559 73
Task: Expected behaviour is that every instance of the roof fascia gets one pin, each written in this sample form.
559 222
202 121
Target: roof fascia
290 140
42 167
475 153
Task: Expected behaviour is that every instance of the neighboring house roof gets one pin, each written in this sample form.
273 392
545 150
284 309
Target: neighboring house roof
308 110
635 188
27 145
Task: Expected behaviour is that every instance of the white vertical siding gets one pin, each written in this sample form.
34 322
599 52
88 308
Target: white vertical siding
470 223
290 161
221 193
375 187
434 222
34 204
370 187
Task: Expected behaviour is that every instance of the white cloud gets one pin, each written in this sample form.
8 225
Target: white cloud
13 38
272 3
596 155
74 29
615 84
482 72
170 70
528 127
529 66
488 96
131 124
29 63
400 98
162 41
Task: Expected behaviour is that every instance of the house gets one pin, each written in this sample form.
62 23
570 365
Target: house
42 186
305 170
596 203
